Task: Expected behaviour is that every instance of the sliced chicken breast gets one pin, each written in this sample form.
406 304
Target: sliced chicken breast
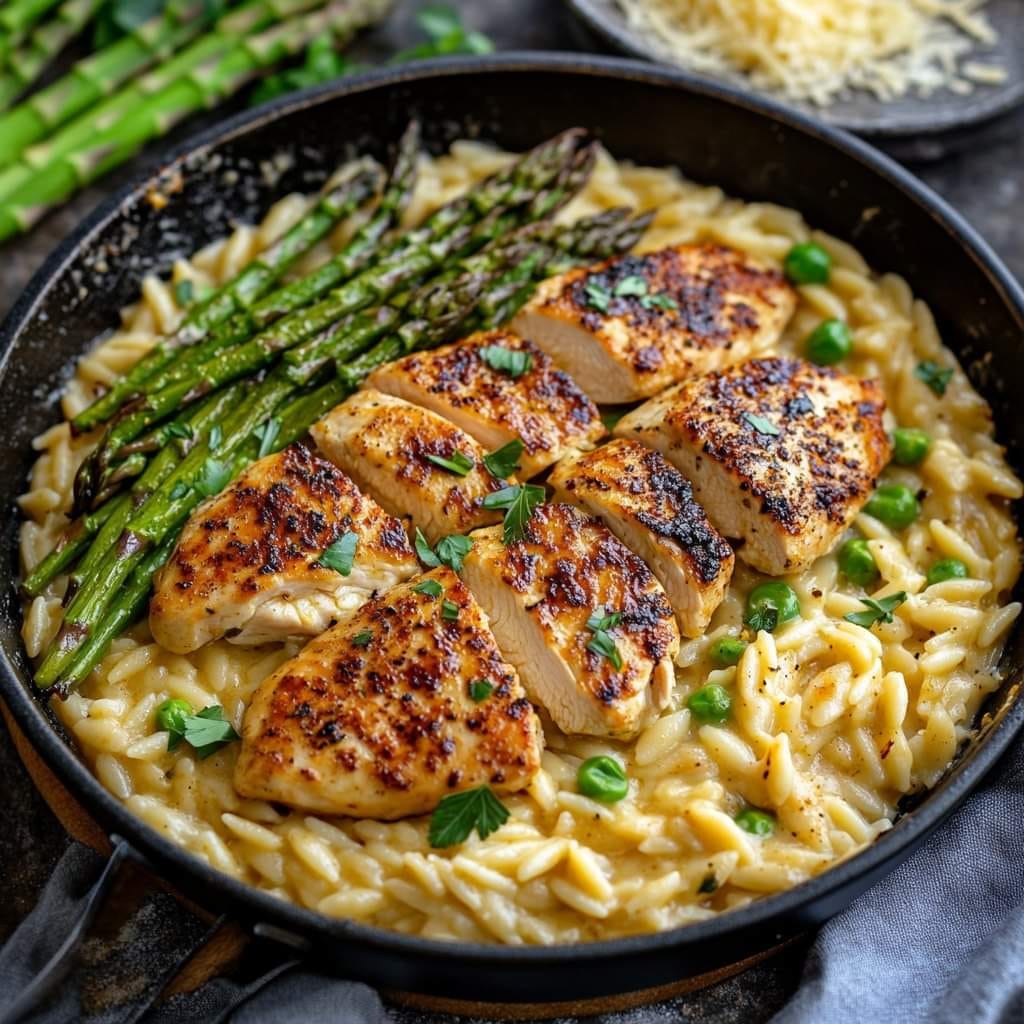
649 506
630 326
391 447
247 566
781 453
540 593
383 715
540 406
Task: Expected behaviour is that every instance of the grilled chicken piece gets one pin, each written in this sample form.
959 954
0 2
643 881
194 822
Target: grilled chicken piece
649 506
385 444
631 326
378 718
541 591
542 407
246 565
781 453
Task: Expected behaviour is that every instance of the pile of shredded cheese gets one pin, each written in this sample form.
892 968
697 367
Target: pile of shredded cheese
819 50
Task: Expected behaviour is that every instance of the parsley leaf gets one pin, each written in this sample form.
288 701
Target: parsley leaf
597 295
446 34
601 643
457 815
457 463
425 551
340 555
519 501
362 638
184 292
180 430
633 285
268 434
504 461
213 479
659 300
480 690
935 376
515 362
762 426
207 731
449 610
452 550
765 618
429 587
877 611
321 64
599 619
216 436
180 490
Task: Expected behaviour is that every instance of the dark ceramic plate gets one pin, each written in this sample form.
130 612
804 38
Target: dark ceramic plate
750 148
941 112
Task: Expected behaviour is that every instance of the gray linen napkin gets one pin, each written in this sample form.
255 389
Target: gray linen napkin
940 941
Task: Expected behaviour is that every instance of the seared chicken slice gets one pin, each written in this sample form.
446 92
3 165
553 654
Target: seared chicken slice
541 591
781 453
387 713
649 506
247 563
631 326
541 406
390 448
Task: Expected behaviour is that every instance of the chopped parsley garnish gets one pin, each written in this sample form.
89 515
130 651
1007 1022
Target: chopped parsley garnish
184 293
180 490
362 638
762 426
216 436
205 732
765 618
633 285
180 430
601 642
429 587
512 361
450 551
213 479
877 611
519 501
935 376
268 436
597 295
457 815
504 461
449 610
456 463
480 690
341 554
659 300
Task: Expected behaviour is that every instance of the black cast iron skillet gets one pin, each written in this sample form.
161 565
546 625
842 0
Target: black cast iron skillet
715 135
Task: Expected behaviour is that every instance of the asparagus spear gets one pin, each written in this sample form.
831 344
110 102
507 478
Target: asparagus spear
374 285
16 19
341 197
26 61
97 76
210 84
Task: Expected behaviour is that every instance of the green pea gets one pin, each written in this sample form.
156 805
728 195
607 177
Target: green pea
947 569
771 604
171 715
727 650
830 342
710 703
857 563
894 505
808 263
757 823
602 778
909 445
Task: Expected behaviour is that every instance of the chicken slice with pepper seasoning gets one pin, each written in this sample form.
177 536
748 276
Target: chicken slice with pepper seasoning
500 389
384 715
649 506
582 619
781 453
626 328
414 462
288 549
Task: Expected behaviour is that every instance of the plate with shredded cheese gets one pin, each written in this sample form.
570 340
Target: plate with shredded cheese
878 67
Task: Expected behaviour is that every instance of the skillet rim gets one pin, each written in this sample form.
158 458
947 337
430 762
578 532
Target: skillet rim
258 906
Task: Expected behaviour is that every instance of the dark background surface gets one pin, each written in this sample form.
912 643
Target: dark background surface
979 172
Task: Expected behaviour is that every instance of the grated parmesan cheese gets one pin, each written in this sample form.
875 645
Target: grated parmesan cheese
817 50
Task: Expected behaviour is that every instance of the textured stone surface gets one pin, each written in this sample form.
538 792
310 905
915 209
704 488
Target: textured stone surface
982 181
